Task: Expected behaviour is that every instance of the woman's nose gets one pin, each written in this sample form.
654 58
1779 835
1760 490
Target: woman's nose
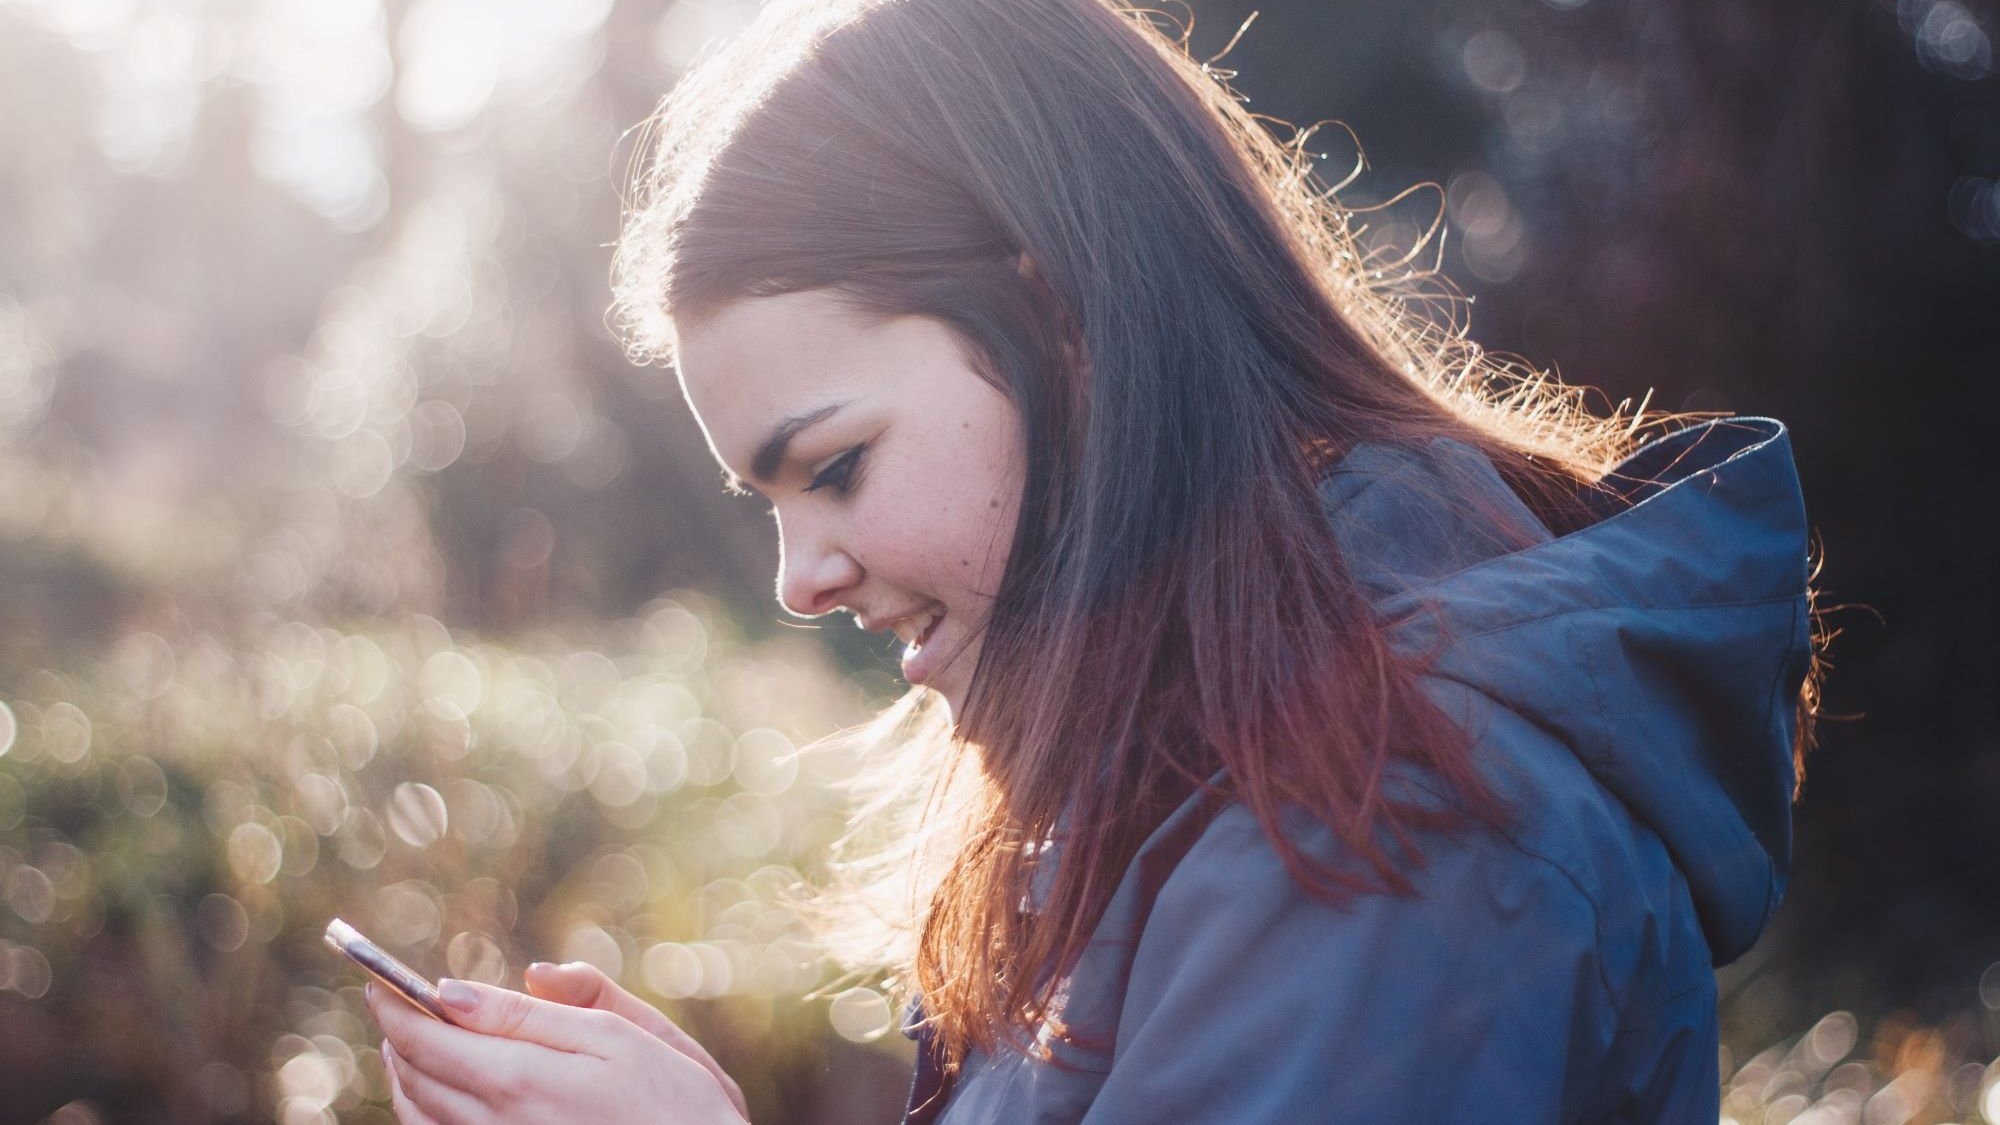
814 574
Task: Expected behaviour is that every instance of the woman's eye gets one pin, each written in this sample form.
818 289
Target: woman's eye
840 474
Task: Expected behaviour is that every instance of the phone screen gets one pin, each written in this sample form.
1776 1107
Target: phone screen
400 978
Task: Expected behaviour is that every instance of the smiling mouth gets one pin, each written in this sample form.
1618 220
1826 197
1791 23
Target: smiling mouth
915 629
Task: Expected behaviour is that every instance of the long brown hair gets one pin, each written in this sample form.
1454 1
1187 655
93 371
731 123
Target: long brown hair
1192 334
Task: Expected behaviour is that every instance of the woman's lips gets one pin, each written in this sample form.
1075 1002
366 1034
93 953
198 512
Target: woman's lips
920 658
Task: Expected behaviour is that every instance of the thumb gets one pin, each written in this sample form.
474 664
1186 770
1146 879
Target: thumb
513 1015
577 982
584 985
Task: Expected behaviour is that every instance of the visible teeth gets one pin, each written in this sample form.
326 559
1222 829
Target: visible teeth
910 628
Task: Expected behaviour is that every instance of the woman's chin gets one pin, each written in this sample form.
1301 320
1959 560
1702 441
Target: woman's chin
944 693
940 663
951 695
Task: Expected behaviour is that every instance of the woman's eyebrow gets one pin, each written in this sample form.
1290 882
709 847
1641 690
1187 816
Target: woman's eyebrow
764 464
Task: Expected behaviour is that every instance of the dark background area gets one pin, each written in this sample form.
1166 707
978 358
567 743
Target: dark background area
1784 209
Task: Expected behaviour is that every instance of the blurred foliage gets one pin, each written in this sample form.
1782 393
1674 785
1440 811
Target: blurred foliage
179 820
1839 1073
297 363
346 568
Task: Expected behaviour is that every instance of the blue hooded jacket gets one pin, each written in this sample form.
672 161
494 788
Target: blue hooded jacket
1631 689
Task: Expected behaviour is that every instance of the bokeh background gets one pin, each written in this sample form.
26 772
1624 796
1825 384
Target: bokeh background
346 567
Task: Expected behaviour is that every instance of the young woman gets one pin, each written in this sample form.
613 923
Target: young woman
1313 720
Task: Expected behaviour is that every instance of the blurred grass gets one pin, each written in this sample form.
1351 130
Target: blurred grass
179 819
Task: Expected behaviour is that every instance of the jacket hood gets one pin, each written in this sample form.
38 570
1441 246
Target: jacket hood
1664 644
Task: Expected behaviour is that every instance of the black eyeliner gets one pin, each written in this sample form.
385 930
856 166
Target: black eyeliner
839 474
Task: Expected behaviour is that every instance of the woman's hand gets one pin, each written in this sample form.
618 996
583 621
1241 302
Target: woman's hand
584 985
515 1057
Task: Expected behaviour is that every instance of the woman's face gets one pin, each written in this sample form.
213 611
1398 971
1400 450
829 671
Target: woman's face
893 468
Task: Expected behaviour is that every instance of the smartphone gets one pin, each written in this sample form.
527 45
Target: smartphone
400 978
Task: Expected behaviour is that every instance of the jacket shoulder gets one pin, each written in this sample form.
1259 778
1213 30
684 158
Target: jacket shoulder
1407 515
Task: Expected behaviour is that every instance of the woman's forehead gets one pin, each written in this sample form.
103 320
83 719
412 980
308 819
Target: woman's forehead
762 354
762 369
784 354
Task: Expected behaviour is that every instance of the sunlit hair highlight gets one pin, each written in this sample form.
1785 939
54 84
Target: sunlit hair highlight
1193 333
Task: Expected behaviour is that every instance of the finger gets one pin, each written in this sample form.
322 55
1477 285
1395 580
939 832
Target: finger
441 1101
407 1112
507 1014
465 1060
585 985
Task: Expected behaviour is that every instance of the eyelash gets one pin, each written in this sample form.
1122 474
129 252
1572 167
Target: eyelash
840 474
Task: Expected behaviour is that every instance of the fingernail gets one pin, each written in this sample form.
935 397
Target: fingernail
540 967
458 994
368 992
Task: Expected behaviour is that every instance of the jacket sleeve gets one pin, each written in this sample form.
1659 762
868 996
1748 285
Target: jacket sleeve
1479 999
